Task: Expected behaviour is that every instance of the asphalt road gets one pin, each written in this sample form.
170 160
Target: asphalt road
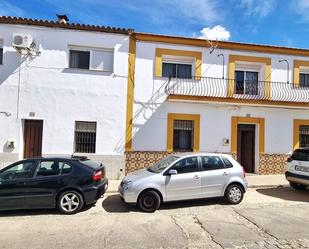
267 218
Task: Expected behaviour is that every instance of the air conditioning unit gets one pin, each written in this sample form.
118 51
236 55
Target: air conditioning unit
23 41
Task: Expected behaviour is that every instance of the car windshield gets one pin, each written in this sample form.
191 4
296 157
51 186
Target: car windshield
163 164
301 155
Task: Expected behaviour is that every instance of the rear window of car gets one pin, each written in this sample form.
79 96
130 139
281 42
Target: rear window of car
300 155
91 164
227 162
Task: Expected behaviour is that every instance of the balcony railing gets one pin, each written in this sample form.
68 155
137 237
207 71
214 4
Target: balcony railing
231 88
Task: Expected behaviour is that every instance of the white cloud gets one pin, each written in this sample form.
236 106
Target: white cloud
259 8
7 9
301 7
216 33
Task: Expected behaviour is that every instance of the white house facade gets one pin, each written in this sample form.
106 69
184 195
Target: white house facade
247 100
66 95
127 99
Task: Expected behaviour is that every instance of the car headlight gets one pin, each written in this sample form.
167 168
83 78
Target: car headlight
126 185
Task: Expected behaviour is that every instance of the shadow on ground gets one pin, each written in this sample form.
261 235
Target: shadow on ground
36 212
286 193
114 204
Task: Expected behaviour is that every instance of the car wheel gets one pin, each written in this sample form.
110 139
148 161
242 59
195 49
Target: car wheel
234 194
149 201
298 186
70 202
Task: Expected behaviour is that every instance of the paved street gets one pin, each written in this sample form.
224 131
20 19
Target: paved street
267 218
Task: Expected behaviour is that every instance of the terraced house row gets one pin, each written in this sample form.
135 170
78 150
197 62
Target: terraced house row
127 99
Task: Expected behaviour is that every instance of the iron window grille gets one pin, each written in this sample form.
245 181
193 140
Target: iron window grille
304 136
183 135
85 137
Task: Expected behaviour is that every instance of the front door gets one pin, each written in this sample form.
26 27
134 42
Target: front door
33 138
186 184
246 146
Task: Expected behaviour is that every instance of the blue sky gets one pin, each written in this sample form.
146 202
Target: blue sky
274 22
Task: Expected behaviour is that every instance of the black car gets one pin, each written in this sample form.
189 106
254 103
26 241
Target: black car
66 183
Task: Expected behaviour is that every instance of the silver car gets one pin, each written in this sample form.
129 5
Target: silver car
186 177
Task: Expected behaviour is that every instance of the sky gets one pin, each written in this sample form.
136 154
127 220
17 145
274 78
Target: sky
273 22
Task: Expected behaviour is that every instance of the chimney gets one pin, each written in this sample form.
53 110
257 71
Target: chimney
62 19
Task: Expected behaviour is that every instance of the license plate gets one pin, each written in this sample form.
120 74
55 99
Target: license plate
302 168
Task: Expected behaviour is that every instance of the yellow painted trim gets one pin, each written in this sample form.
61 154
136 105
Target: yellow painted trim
296 125
297 64
237 101
170 129
221 44
130 93
232 61
245 120
162 51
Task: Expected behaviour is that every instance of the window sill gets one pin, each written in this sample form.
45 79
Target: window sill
81 70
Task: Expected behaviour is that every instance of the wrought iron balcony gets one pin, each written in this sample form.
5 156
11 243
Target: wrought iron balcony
233 89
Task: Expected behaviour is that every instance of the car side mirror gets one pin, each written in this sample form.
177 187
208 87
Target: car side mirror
172 172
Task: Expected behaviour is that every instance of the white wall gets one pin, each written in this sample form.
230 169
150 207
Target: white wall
59 95
151 107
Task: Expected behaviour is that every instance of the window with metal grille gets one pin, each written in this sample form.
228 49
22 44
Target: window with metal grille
304 79
85 136
304 136
183 135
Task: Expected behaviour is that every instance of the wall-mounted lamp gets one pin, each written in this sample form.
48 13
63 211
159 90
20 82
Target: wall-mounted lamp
288 68
6 113
223 63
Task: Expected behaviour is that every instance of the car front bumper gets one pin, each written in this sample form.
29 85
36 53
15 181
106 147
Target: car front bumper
93 193
128 196
296 178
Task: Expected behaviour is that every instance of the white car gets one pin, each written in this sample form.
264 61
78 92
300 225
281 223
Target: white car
187 177
297 169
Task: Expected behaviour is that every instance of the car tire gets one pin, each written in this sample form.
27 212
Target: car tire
70 202
234 194
149 201
298 186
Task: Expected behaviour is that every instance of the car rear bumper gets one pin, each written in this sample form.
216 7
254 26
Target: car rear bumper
296 178
93 193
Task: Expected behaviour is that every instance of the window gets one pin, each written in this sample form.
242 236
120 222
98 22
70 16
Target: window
246 82
94 59
212 163
304 79
187 165
85 137
227 162
79 59
301 155
183 135
49 168
176 70
304 135
19 171
65 168
1 52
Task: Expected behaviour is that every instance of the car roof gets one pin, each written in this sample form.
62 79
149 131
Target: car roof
190 154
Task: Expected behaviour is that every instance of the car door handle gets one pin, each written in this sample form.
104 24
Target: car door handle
225 173
196 177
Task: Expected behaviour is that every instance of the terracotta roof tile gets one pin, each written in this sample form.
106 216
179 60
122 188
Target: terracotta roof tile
56 24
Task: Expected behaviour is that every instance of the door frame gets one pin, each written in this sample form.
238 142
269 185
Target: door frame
259 134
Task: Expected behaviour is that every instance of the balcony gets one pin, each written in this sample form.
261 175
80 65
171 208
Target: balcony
219 89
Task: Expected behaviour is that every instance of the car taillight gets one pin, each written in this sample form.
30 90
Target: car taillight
243 171
97 176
